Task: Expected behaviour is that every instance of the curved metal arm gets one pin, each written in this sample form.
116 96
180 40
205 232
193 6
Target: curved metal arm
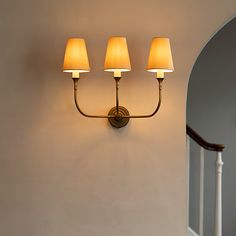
78 107
117 102
157 107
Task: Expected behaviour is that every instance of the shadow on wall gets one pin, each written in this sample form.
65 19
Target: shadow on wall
211 110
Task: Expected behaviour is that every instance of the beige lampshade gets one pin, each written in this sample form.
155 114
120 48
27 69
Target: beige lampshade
117 55
76 58
160 57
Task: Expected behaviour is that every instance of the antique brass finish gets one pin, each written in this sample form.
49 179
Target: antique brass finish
118 116
119 120
117 61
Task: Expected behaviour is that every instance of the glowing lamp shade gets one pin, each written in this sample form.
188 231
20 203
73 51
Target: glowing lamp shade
160 57
117 55
76 58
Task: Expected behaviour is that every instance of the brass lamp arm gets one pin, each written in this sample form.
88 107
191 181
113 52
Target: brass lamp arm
118 116
78 107
157 107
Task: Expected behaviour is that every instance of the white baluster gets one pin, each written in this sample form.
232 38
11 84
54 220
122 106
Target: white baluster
218 207
201 193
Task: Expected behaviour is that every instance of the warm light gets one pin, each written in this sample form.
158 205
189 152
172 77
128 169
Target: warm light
117 61
160 57
117 56
76 58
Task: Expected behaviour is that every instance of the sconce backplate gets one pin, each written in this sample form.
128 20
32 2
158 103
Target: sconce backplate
118 121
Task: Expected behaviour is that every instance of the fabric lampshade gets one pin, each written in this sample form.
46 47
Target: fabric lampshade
117 55
76 58
160 56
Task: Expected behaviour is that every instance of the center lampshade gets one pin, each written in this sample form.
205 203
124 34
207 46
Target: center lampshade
117 55
76 58
160 57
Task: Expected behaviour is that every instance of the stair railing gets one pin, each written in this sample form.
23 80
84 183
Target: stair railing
218 148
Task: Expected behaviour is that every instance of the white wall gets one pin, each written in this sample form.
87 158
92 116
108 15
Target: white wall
63 174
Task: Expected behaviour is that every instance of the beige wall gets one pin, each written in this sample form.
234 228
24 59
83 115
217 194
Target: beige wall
63 174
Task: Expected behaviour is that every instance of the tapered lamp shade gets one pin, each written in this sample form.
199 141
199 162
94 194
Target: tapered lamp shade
160 57
76 58
117 55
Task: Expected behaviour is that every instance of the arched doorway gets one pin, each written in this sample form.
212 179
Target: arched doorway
211 109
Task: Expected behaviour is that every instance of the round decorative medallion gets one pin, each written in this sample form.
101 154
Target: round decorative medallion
119 121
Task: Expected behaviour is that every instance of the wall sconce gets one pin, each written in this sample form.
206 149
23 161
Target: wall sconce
117 61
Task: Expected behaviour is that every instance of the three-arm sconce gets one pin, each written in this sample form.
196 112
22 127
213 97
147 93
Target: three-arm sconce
117 61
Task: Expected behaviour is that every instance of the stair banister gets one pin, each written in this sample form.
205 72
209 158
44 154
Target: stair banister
218 148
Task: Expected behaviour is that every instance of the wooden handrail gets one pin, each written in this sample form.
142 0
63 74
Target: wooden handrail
202 142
